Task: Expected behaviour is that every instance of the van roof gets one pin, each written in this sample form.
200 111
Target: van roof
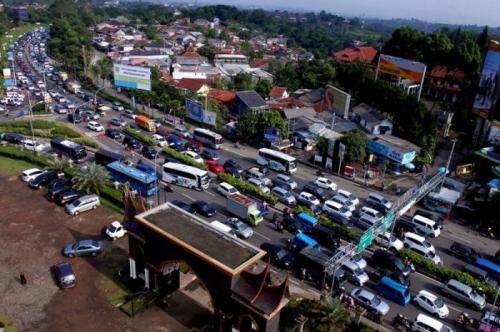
424 219
415 236
306 239
334 204
457 283
220 226
430 321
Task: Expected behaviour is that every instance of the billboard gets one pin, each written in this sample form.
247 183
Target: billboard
132 77
7 73
488 90
400 67
338 100
196 112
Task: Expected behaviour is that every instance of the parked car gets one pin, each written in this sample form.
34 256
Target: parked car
64 275
82 204
31 145
185 206
115 230
312 188
369 300
43 179
56 186
66 196
431 303
204 208
95 126
83 248
225 189
209 155
325 183
149 152
239 227
464 252
30 174
113 133
278 255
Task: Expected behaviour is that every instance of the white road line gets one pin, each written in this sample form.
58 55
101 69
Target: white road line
453 308
437 282
235 152
191 199
460 238
262 236
208 192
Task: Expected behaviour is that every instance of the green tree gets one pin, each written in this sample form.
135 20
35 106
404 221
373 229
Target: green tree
207 51
91 179
246 127
59 164
243 81
263 87
355 146
322 144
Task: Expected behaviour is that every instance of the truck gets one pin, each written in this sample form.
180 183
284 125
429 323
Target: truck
72 150
145 123
298 222
72 86
63 76
315 260
244 208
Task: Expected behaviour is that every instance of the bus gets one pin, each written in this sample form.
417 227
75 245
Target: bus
491 268
208 138
72 150
278 161
185 176
104 157
144 183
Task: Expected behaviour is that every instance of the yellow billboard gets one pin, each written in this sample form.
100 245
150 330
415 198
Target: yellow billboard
400 67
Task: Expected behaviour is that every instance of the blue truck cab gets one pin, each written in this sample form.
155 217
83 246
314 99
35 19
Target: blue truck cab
301 241
307 221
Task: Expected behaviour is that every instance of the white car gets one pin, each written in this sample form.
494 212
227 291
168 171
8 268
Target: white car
115 230
160 140
31 145
308 198
349 196
182 132
95 126
194 156
431 303
30 174
225 189
325 183
389 241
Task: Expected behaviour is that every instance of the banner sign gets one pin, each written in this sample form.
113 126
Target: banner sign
401 67
132 77
488 91
338 100
194 110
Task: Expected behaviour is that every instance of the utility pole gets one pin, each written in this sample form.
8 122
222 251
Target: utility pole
454 141
31 121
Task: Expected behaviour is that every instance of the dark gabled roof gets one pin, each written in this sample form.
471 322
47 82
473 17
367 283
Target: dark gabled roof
251 99
368 113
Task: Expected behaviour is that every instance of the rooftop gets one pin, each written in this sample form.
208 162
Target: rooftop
198 237
364 54
397 142
368 113
251 98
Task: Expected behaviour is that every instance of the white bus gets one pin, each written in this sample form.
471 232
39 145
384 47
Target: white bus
208 138
185 176
279 161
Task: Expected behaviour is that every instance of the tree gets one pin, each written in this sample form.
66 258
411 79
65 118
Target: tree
355 146
59 164
91 179
243 81
246 127
322 144
263 87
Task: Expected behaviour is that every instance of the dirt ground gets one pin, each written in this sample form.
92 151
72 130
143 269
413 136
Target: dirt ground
32 233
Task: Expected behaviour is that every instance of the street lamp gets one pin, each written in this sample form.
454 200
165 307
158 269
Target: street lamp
95 95
30 114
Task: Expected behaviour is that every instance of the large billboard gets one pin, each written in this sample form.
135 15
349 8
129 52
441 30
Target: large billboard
338 100
7 77
400 67
196 112
132 77
488 90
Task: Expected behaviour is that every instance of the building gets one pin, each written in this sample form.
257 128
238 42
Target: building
231 65
220 96
188 84
365 54
248 101
371 120
192 65
18 13
444 84
399 152
278 93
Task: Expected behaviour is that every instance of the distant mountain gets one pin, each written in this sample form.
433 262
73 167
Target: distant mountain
388 25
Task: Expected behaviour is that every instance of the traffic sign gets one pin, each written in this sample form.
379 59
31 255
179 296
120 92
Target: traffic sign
389 218
365 240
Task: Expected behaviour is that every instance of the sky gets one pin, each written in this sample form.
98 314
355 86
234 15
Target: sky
462 12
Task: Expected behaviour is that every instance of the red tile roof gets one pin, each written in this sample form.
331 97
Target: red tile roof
439 72
191 54
365 54
189 84
256 63
456 74
277 92
221 96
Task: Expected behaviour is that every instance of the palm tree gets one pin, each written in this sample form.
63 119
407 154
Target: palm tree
328 315
91 179
59 164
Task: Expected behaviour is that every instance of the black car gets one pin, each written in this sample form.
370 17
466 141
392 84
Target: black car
279 256
131 142
113 133
313 189
209 155
52 192
43 179
14 138
325 236
149 152
66 196
169 159
191 146
464 252
64 275
233 168
292 225
185 206
385 260
204 208
75 118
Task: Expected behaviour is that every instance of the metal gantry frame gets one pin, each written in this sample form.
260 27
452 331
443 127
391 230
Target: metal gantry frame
399 207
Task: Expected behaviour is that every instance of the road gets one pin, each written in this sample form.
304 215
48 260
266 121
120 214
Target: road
265 232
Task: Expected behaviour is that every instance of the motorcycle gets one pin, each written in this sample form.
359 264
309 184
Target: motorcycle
487 232
401 323
463 320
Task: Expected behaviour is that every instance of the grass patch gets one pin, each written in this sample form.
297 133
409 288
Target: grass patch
110 205
114 291
9 325
11 167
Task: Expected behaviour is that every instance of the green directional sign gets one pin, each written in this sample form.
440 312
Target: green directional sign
389 218
365 240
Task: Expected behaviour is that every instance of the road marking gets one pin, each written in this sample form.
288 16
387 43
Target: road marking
191 199
208 192
300 177
453 308
262 236
460 238
235 152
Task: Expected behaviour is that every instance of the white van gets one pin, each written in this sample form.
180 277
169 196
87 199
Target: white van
426 226
424 323
412 240
221 227
336 209
82 204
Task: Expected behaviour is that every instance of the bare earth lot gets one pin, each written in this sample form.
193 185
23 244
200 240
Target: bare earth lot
32 233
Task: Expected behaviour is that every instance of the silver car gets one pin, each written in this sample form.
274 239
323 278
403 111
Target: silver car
368 300
239 227
284 196
83 248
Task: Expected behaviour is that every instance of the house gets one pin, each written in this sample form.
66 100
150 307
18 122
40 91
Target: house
164 48
306 56
202 22
399 152
231 65
220 96
364 54
312 98
260 63
187 84
192 65
248 101
371 120
444 84
278 93
217 43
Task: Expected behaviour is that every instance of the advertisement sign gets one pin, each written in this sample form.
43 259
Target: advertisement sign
7 73
132 77
341 151
400 67
209 118
338 100
402 157
194 110
488 90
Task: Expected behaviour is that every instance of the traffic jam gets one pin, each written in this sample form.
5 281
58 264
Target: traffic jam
385 286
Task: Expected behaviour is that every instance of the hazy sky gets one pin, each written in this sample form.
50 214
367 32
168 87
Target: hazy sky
480 12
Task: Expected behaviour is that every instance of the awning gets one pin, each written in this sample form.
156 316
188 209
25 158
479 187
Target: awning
410 166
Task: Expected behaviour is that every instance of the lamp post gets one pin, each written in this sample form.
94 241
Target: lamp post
30 114
454 141
95 95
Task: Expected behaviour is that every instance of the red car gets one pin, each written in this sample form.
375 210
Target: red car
214 167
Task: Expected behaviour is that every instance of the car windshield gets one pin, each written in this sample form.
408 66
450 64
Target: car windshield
427 244
112 228
375 301
241 226
392 238
438 303
281 254
76 203
399 265
358 271
344 209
